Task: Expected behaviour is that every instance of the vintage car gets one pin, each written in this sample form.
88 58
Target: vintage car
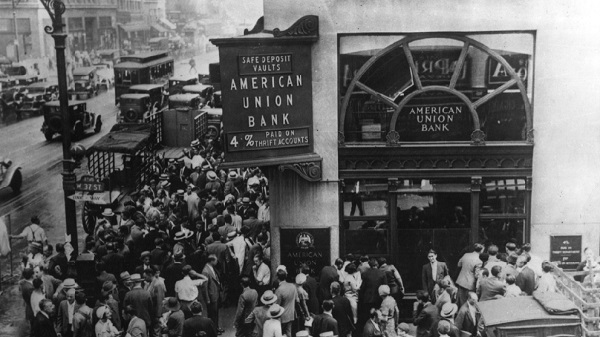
10 175
106 75
159 43
86 82
80 119
185 100
10 99
176 83
134 108
204 90
216 100
19 74
156 92
36 95
214 118
109 56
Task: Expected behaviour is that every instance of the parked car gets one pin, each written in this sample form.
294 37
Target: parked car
204 90
215 125
158 94
110 56
35 96
86 82
19 74
185 101
106 75
134 108
80 119
10 175
176 83
10 99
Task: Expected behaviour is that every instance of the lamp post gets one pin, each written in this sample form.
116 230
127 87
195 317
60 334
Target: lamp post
55 9
14 7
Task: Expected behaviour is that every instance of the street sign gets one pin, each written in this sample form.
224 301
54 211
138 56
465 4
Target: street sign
86 196
89 184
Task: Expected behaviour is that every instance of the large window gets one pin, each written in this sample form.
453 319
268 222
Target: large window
436 88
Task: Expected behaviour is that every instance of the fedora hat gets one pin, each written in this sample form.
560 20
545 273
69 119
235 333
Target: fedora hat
136 278
108 287
108 212
205 167
195 143
172 304
69 283
145 254
326 334
211 175
181 235
268 298
231 235
180 192
232 175
448 310
125 276
275 311
245 200
164 176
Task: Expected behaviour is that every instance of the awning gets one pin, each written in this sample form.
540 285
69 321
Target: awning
159 28
168 23
134 27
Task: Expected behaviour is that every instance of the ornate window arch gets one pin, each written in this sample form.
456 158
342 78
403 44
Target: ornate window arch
396 103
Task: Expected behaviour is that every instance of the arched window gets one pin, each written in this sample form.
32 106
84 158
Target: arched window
436 87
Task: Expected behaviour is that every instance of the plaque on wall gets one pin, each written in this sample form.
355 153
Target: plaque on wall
565 251
305 246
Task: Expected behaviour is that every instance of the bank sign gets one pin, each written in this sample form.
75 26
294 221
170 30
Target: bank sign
267 100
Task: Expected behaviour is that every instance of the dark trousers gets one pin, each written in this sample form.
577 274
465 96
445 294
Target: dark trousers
213 312
462 296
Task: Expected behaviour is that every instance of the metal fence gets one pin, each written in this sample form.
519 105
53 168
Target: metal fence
585 295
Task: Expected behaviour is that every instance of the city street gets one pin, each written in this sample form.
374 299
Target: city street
42 192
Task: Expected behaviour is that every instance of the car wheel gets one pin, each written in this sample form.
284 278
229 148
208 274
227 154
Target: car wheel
16 182
49 135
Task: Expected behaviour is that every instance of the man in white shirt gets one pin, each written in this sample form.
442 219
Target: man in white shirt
64 316
262 274
187 288
238 244
33 232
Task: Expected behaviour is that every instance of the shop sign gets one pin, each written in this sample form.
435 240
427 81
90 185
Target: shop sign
267 100
305 246
565 251
81 196
89 184
497 74
434 122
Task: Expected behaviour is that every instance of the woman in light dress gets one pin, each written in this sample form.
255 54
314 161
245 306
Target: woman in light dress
389 312
352 282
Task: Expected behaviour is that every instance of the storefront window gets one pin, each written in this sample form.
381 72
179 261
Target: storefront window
502 196
361 198
501 231
367 237
417 88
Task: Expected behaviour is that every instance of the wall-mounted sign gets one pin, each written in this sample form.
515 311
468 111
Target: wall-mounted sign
267 98
89 184
305 246
497 74
565 251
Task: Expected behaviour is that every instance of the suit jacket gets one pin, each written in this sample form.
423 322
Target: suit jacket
342 312
311 286
427 278
490 287
370 331
469 264
172 274
142 303
246 304
175 323
526 280
323 323
137 328
464 320
62 316
195 324
372 278
426 319
26 290
213 286
328 275
287 296
42 326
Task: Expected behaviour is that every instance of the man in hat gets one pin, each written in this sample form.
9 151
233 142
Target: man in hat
35 257
187 288
287 296
107 299
447 314
33 232
246 305
342 311
243 209
259 315
103 275
156 288
183 242
173 273
61 292
325 322
64 315
124 286
273 325
197 324
145 258
238 246
175 318
140 299
213 184
136 327
233 180
212 290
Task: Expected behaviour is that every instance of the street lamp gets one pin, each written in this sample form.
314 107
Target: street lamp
56 9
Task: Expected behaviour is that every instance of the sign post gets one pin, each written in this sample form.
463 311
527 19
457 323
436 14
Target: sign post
565 251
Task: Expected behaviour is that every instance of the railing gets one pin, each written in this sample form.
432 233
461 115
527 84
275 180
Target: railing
586 297
200 125
156 120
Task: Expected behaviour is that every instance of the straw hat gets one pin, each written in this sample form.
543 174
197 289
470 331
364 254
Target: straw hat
108 212
384 290
275 311
326 334
268 298
232 175
125 276
181 235
448 310
300 279
136 278
69 283
102 310
211 176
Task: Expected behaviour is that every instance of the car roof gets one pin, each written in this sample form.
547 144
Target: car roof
183 78
41 84
83 71
196 87
134 96
183 97
71 103
145 86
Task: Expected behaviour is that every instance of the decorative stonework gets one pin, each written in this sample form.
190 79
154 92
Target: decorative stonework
341 138
392 138
530 136
310 171
478 137
306 26
258 27
513 162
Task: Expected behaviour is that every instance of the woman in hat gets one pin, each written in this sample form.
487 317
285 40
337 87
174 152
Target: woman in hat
303 313
389 311
272 327
104 327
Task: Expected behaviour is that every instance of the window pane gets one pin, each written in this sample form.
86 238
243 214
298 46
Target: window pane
502 196
367 237
363 197
500 231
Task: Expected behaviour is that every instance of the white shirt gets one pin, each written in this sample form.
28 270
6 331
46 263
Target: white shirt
434 270
71 311
263 274
239 249
187 289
